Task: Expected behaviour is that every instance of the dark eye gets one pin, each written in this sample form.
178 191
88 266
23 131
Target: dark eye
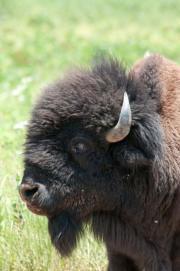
80 146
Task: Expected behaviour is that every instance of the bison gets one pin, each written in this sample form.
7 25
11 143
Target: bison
103 147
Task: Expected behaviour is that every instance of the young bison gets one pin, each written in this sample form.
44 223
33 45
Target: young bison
103 147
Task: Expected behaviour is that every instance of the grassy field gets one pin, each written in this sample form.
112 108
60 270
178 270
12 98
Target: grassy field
38 41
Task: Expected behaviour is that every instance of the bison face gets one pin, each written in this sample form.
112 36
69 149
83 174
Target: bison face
67 177
71 168
66 173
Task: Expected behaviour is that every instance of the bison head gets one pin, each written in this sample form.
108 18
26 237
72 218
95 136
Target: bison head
89 135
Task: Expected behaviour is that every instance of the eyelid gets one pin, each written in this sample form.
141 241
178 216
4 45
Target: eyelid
85 144
80 147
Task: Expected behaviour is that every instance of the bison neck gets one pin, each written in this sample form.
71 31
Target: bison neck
146 213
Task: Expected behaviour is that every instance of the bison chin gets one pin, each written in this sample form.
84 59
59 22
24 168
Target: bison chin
65 232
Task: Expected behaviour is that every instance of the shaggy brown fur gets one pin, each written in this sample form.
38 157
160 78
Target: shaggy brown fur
168 75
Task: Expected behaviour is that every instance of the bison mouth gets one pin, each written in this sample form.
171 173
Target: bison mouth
41 206
35 209
64 230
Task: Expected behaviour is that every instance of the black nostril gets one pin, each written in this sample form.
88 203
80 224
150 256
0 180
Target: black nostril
27 191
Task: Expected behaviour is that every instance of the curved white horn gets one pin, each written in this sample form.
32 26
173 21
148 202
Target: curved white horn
122 128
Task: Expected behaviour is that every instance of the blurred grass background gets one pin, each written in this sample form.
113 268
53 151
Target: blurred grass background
38 41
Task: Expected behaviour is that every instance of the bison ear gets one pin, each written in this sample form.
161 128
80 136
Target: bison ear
130 157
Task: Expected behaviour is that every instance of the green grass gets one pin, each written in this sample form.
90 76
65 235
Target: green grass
38 41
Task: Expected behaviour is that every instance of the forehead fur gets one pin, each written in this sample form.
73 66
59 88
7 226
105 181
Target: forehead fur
94 96
85 95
